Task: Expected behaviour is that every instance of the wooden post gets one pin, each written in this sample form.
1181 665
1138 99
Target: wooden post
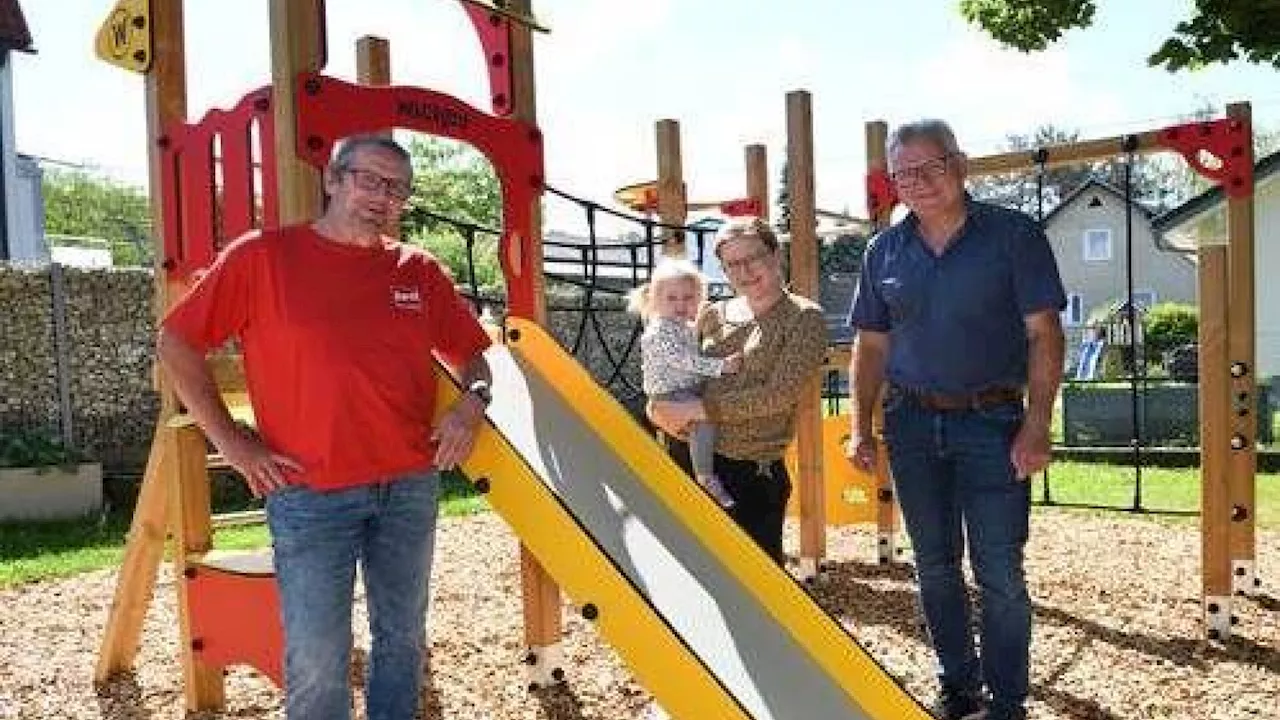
671 194
1215 502
373 68
192 535
757 159
297 46
166 102
373 61
804 281
1241 340
887 541
541 595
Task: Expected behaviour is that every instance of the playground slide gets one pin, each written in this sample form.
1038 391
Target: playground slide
704 619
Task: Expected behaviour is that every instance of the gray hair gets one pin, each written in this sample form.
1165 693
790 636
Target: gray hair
937 132
346 151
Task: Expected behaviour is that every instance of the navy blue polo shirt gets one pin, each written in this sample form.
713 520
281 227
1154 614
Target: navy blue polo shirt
956 320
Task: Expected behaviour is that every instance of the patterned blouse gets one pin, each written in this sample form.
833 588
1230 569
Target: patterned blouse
755 409
671 360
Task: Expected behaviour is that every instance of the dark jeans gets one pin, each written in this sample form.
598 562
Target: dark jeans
760 493
954 481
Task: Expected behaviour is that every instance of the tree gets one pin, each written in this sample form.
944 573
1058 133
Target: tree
1218 31
783 223
453 181
91 211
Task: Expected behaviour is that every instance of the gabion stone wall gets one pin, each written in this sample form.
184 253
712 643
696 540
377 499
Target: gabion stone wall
104 359
109 344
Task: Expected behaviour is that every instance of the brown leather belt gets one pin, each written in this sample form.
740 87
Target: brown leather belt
980 400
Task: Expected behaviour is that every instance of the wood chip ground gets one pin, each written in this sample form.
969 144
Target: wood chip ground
1117 635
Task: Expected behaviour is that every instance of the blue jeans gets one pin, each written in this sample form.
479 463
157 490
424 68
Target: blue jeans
954 481
319 537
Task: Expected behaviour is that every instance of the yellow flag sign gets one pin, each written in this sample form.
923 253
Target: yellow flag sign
125 36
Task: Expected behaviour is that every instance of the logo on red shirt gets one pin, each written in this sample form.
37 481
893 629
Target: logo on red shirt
406 298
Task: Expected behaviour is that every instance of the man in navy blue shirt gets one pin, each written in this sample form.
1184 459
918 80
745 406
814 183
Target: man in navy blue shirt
957 309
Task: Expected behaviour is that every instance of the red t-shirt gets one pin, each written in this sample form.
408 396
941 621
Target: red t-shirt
337 344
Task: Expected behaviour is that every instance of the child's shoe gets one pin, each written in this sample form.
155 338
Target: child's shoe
712 485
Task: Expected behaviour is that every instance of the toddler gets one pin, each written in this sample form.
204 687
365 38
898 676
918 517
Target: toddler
670 358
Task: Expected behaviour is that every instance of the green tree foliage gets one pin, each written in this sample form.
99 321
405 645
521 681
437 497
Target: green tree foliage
1218 31
783 223
1157 181
1167 326
454 181
80 205
1160 180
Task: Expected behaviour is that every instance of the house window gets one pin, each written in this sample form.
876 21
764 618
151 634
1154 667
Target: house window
1097 245
1073 315
1145 299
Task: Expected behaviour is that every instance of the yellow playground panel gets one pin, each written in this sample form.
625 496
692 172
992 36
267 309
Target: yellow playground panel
850 494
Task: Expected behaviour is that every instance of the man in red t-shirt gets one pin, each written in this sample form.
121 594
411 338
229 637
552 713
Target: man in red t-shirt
338 325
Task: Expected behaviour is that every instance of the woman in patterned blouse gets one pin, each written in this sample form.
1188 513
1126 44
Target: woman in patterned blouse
782 339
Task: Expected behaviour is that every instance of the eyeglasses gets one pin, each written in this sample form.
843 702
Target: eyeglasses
743 264
395 188
927 170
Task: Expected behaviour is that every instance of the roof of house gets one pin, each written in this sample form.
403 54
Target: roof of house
1264 168
14 34
1085 187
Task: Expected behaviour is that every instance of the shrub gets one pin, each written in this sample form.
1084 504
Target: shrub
450 248
24 448
1168 326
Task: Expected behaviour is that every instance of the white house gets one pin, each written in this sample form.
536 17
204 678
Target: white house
1203 219
21 211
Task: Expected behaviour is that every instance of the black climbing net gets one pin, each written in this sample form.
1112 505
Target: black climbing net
587 275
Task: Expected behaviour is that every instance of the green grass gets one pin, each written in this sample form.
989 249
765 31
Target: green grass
45 550
1171 489
41 551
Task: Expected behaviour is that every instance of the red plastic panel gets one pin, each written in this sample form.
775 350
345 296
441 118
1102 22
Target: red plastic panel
330 109
494 32
740 208
881 196
1226 140
217 181
235 620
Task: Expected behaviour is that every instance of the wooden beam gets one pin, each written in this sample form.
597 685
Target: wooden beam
671 193
373 61
757 159
373 68
1215 501
142 556
1055 155
877 134
804 281
166 103
297 46
192 535
1241 352
541 595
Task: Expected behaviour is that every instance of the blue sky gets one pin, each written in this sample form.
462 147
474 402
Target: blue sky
610 69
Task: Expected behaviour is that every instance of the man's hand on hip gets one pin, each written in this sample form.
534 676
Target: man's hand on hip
264 471
456 433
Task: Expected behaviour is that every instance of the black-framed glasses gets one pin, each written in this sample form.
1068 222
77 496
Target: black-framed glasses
369 181
928 170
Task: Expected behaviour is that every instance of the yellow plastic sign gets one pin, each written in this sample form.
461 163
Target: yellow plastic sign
849 494
124 39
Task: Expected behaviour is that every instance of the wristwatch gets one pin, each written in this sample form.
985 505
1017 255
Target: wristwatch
480 389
